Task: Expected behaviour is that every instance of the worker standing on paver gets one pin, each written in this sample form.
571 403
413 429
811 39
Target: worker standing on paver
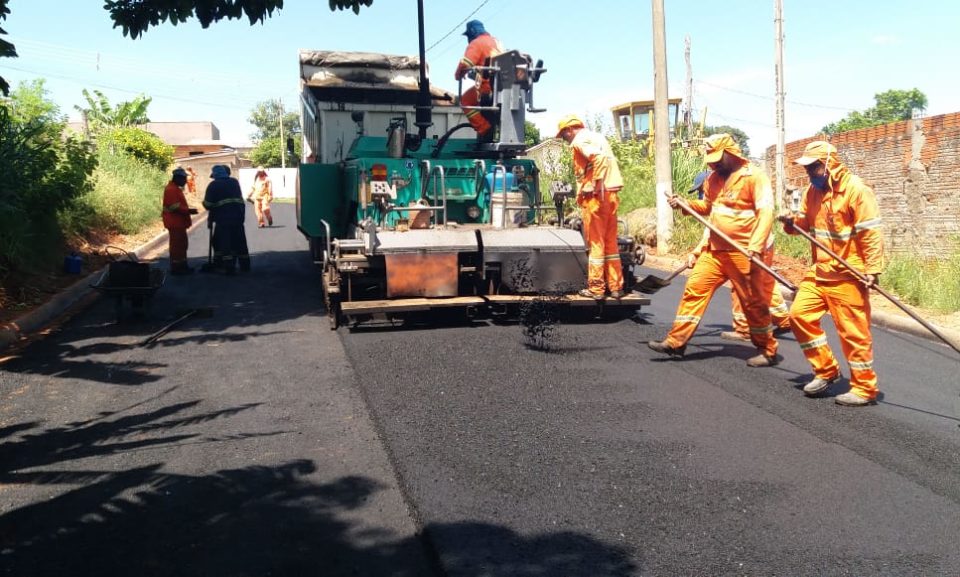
841 211
480 48
176 219
738 200
598 189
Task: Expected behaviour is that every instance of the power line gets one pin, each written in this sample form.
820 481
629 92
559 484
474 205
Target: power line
454 29
764 97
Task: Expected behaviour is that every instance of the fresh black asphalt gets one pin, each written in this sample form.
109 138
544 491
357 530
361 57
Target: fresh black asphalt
259 442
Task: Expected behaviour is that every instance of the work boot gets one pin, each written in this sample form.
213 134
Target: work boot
616 295
734 336
590 295
851 399
663 348
763 361
818 385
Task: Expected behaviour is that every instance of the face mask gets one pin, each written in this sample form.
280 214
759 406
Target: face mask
821 182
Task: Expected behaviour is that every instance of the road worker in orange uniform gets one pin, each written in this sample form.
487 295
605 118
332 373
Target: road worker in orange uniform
191 180
176 219
481 46
261 194
598 187
779 312
841 211
738 200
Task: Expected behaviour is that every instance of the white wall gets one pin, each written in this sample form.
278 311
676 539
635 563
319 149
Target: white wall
284 181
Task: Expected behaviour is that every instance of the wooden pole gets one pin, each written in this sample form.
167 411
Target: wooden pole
778 68
661 132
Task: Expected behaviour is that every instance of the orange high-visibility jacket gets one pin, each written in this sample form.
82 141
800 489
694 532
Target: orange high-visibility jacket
176 213
483 47
741 206
593 160
262 189
846 219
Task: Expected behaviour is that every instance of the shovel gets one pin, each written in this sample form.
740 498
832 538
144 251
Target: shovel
651 284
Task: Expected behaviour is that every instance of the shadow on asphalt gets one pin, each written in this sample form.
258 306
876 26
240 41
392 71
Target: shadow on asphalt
283 285
255 520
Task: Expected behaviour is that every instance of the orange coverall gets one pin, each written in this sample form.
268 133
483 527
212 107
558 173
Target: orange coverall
599 182
779 313
846 219
478 51
262 194
176 219
742 207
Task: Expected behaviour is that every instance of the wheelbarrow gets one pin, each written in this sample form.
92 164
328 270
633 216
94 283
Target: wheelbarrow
127 279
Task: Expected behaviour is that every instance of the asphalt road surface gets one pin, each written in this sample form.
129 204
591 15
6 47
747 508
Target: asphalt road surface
258 442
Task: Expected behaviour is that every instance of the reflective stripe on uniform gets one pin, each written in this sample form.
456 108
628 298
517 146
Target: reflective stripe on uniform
868 224
223 202
861 366
686 319
172 207
761 330
833 235
727 211
817 342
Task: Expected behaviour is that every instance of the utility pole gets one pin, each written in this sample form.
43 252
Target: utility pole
661 133
283 148
781 146
688 115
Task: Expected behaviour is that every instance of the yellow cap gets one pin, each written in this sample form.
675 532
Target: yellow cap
717 144
818 150
569 121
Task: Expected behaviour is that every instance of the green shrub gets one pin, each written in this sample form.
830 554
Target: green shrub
137 143
47 174
927 283
126 197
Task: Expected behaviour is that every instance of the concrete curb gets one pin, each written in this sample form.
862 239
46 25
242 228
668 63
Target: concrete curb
34 320
903 324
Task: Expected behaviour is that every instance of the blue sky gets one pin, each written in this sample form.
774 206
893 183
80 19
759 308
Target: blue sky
598 54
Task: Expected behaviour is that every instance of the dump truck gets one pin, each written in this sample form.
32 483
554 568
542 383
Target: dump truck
406 209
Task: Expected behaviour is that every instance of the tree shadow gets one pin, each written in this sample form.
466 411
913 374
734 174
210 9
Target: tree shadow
101 436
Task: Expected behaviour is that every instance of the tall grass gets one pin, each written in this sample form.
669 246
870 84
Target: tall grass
126 197
927 283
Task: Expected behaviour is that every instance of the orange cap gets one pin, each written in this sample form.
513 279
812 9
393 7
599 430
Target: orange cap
717 144
569 121
818 150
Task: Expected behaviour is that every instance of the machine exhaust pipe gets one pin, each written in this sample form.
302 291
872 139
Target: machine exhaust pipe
424 105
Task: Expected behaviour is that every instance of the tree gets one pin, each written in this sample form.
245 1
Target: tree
135 17
100 115
6 49
265 117
891 106
739 136
531 134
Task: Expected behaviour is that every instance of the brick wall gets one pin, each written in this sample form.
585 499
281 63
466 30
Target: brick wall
914 168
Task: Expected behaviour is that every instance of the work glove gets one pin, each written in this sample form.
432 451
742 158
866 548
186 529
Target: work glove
787 220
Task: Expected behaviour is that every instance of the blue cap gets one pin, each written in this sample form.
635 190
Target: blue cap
179 172
474 28
219 171
699 180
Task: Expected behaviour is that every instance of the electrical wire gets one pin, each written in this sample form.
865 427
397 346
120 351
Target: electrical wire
457 27
766 97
